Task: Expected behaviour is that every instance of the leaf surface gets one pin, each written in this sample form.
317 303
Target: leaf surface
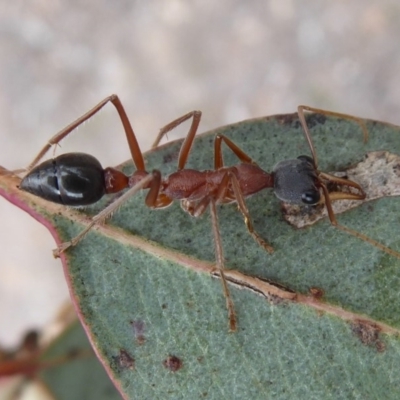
142 283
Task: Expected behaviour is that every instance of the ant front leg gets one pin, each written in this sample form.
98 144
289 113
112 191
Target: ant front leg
306 131
328 197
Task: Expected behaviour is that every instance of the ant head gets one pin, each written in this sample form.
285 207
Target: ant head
296 181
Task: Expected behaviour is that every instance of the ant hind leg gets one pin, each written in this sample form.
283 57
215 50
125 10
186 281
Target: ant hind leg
130 135
151 181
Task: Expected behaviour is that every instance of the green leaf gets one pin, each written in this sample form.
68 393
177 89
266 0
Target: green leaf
142 283
81 377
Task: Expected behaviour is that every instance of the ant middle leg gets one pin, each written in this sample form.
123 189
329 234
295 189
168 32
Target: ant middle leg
188 141
196 209
219 255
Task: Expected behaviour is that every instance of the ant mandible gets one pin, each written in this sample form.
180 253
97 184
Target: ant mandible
78 179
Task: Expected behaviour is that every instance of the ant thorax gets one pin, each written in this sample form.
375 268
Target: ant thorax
295 181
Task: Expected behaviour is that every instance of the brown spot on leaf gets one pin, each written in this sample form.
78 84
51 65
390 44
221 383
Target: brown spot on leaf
368 333
173 363
125 360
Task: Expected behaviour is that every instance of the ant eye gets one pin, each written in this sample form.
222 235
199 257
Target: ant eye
311 197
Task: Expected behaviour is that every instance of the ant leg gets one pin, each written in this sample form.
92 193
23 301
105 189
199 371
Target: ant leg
196 210
306 131
155 199
246 215
219 163
353 232
130 135
188 142
228 179
239 153
101 216
196 115
221 265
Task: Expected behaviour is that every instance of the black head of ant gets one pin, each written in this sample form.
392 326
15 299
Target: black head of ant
296 181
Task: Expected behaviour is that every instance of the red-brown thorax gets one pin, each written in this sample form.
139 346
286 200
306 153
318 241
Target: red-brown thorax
191 184
194 185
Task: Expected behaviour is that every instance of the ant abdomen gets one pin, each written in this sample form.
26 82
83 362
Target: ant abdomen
72 179
295 181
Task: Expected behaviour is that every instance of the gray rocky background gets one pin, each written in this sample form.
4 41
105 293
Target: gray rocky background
231 59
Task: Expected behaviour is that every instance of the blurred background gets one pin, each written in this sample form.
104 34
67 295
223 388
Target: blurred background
231 59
